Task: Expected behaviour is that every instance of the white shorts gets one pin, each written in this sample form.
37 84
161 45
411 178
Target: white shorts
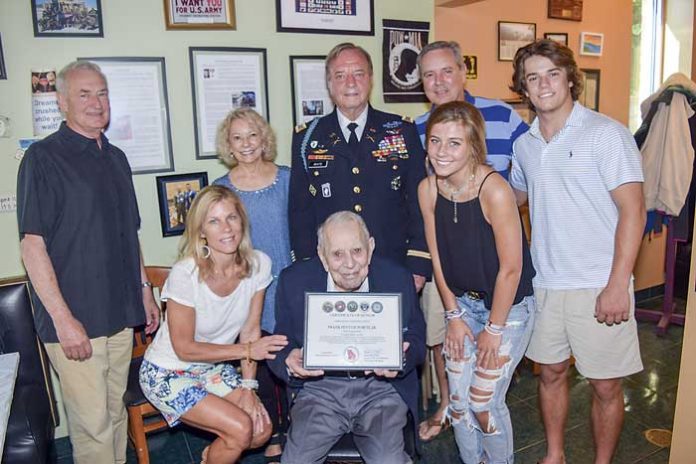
565 325
434 313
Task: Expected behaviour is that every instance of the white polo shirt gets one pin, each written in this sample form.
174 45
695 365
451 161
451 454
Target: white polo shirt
568 181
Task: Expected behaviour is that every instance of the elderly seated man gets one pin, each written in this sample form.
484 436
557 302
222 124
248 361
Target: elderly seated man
372 405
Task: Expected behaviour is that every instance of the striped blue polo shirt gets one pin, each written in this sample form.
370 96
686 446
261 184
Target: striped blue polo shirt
503 126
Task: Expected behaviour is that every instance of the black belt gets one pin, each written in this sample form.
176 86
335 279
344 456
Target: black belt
346 374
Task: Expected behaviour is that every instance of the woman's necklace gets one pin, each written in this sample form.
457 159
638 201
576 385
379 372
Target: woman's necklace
456 191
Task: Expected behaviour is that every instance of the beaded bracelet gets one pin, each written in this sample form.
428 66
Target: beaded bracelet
249 384
453 314
492 331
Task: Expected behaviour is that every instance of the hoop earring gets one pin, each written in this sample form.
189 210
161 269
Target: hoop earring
206 251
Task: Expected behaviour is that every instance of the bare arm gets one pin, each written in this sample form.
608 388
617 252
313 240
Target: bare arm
181 320
520 196
457 329
71 334
251 331
152 311
613 304
500 210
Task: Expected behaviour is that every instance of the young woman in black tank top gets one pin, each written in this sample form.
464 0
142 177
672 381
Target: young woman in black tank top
483 271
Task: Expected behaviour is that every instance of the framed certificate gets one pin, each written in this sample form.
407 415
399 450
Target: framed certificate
353 331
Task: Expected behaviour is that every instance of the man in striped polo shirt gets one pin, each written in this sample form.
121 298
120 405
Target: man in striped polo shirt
444 77
581 172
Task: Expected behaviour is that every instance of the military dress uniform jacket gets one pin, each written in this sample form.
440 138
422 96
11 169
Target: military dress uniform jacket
378 181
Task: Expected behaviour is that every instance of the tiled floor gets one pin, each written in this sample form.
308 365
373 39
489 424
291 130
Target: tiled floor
649 396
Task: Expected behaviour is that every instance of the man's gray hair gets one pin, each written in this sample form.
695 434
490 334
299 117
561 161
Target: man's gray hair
341 217
63 76
442 45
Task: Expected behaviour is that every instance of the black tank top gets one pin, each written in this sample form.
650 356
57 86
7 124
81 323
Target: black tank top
467 250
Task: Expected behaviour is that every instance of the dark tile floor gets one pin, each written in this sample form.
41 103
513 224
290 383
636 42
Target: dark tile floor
649 397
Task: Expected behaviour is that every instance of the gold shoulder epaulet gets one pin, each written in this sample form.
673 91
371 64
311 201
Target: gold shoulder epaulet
407 119
300 127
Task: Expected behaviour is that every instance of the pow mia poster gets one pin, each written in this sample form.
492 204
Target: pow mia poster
402 42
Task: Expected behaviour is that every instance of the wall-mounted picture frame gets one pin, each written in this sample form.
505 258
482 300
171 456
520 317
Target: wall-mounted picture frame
590 90
3 69
345 17
67 19
310 97
192 15
175 194
570 10
560 37
512 36
591 43
139 124
471 63
222 79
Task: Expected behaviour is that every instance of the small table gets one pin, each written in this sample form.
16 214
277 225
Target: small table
9 365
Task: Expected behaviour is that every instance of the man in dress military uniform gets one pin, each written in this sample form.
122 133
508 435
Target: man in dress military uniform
362 160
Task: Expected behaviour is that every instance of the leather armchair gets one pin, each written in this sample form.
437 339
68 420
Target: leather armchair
33 416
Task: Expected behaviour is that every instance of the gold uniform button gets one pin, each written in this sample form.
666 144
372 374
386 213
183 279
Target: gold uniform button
356 189
395 166
357 208
356 170
316 173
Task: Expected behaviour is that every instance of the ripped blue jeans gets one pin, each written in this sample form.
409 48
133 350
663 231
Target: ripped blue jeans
481 419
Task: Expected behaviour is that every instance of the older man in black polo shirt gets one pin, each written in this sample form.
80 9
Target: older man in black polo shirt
78 222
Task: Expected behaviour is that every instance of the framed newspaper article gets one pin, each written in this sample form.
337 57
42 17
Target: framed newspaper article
139 123
223 79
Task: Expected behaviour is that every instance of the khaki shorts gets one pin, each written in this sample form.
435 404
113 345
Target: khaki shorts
565 325
434 314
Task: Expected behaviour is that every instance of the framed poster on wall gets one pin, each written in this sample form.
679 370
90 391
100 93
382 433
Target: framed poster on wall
211 14
139 122
223 79
345 17
590 90
513 36
310 97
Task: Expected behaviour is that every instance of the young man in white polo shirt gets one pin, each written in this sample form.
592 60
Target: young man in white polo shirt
581 172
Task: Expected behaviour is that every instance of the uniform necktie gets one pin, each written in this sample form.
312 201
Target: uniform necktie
353 139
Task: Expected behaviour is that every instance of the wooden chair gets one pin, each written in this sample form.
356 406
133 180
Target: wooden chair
143 418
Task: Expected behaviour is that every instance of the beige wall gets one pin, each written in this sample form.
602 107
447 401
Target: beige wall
475 27
136 28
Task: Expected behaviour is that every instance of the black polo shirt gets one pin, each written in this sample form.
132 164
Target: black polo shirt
81 200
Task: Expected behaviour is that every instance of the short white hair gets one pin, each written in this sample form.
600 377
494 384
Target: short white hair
341 217
63 76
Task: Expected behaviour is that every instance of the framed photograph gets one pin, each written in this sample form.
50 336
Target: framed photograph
67 18
3 70
590 90
211 14
513 36
471 63
139 122
560 37
310 97
570 10
591 43
175 194
345 17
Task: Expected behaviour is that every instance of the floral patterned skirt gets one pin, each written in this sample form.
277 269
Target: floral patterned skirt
174 392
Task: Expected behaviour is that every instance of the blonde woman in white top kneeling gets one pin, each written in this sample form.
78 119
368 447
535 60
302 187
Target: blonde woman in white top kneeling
214 297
